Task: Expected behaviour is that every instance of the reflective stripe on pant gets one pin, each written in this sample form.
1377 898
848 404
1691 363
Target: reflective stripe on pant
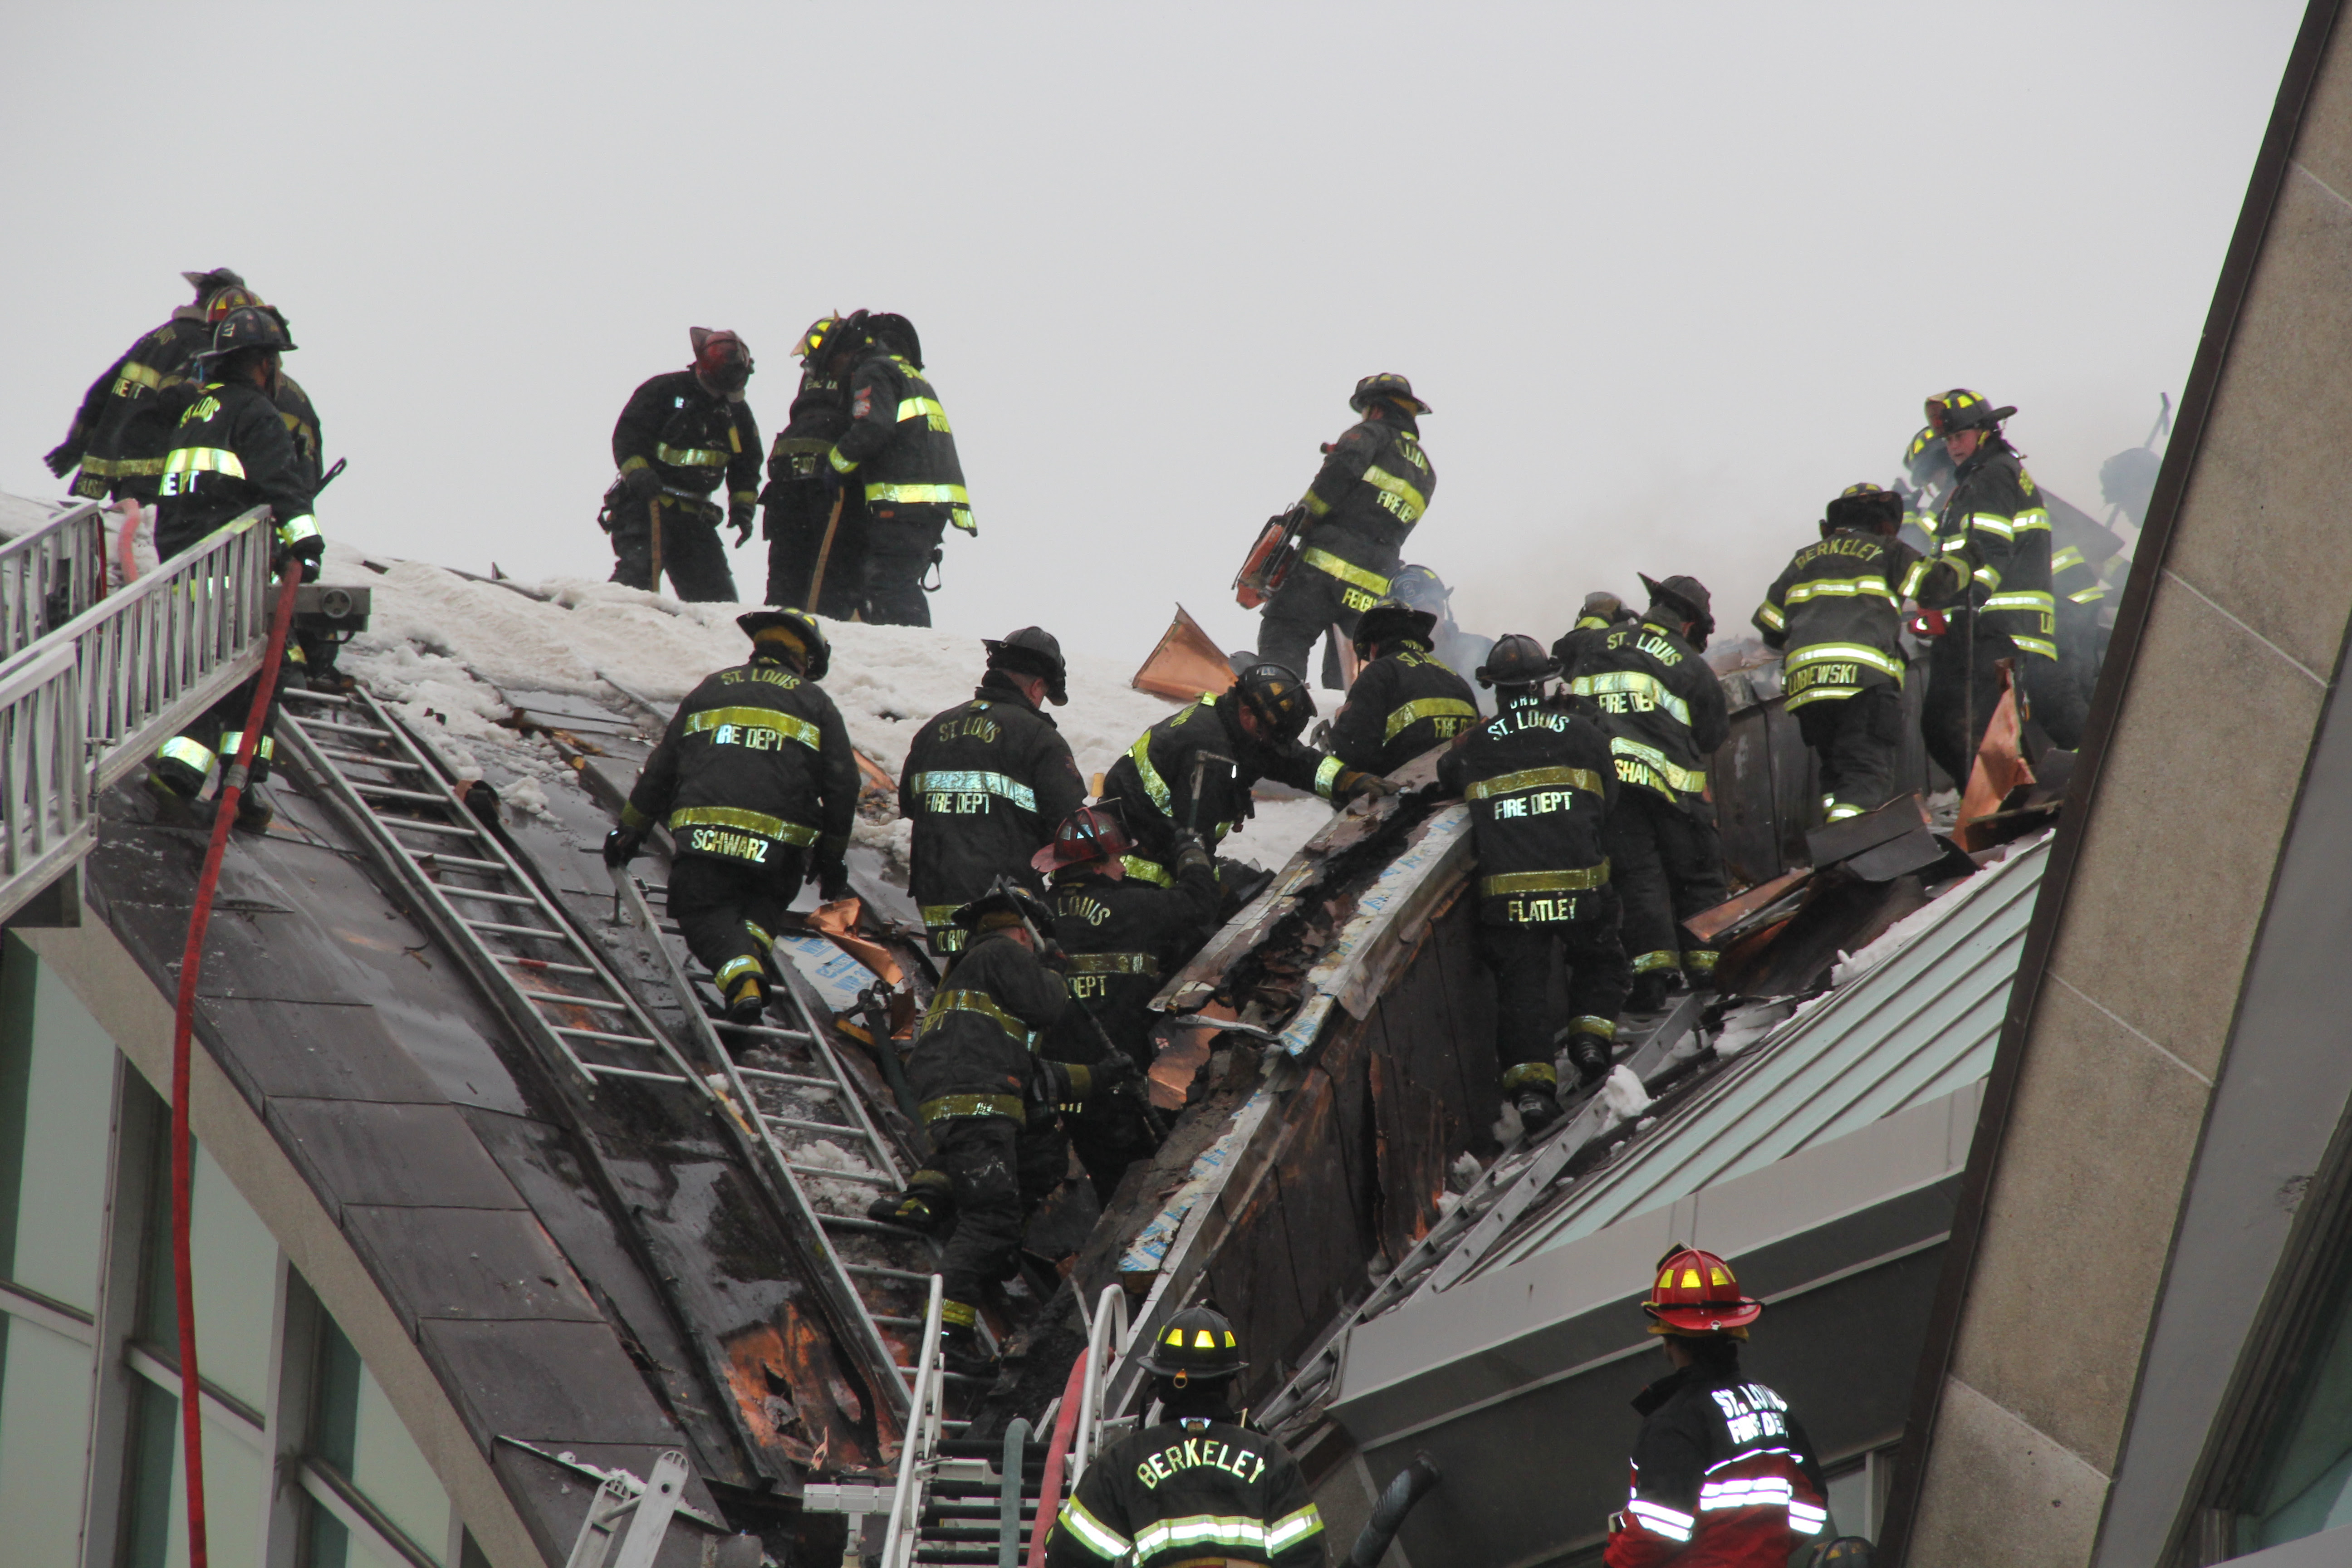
1667 865
693 559
1855 739
900 540
728 910
1535 996
1000 1170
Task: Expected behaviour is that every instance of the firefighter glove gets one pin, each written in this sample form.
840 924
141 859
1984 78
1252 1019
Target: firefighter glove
829 868
1191 852
740 514
61 460
1363 786
643 484
621 846
1114 1069
308 551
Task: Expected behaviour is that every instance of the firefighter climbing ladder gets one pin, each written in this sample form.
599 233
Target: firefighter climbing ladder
551 979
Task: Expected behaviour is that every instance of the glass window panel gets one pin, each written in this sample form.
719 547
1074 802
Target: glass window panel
57 1091
1849 1502
43 1423
2305 1485
357 1432
236 1490
234 1260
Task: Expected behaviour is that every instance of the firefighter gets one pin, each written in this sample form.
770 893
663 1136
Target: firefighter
987 1099
1124 937
123 428
1425 590
1929 467
1996 527
1540 789
1405 701
684 436
1374 484
1602 611
1200 1486
1834 614
1723 1472
987 782
899 452
229 454
1665 716
808 520
757 783
1222 745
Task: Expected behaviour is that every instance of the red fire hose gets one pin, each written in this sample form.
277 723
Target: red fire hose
183 1024
1066 1426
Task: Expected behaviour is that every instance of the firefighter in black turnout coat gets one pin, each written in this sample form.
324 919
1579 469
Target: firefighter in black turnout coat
124 426
1124 937
987 1099
1540 789
1665 713
1249 733
754 772
1200 1486
229 453
802 524
986 783
1835 614
899 451
1405 701
683 437
1374 484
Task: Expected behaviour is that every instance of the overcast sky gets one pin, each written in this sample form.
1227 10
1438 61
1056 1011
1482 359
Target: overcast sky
1671 275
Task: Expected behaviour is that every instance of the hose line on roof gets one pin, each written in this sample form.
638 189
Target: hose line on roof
191 1439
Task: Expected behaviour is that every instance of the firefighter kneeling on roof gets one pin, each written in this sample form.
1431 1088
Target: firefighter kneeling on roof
1723 1472
1199 1488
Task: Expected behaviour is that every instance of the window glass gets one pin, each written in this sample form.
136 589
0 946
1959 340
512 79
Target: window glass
234 1260
237 1487
2306 1486
360 1434
1849 1502
44 1422
56 1060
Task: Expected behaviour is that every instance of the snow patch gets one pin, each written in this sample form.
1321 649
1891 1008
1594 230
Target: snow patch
1622 1093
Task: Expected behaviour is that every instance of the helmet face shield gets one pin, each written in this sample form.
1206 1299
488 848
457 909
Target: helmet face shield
1277 699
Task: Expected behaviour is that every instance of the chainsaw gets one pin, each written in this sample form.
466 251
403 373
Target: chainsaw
1270 559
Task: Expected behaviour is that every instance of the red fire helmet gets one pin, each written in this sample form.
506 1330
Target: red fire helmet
1089 836
1696 1294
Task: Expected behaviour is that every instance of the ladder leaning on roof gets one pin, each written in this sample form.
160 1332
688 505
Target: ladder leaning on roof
84 701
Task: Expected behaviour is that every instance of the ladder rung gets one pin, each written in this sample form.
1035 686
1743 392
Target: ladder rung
421 825
571 1001
545 965
434 857
606 1036
307 695
764 1076
330 726
599 1070
386 792
453 890
365 761
830 1174
870 1227
888 1321
857 1132
881 1273
548 932
761 1031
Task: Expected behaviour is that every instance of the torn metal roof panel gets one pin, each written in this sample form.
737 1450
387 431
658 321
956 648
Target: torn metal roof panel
1918 1025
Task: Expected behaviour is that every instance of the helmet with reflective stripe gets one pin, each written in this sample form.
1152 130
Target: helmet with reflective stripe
1518 660
1390 619
1091 836
1846 1551
1688 595
722 361
1420 588
792 631
820 333
221 301
1961 409
1698 1294
1926 460
1865 506
1033 650
1196 1344
1386 386
1279 698
896 333
1007 903
248 327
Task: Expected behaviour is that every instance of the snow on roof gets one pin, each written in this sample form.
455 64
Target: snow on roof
447 648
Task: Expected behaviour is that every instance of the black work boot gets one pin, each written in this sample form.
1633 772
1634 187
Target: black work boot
1652 990
255 810
1592 1055
1538 1108
747 1000
961 1352
913 1209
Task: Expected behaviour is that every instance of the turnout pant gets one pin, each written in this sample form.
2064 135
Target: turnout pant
795 530
1529 1020
1855 739
1309 603
1957 694
1666 864
999 1170
901 542
187 759
730 910
692 558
